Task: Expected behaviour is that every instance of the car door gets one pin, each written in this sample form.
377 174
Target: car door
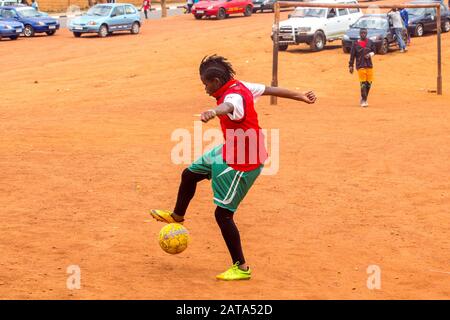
332 23
429 22
344 20
117 20
129 16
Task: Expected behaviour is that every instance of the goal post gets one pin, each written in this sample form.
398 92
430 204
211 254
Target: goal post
290 4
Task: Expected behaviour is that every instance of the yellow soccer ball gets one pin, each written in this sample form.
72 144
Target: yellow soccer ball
173 238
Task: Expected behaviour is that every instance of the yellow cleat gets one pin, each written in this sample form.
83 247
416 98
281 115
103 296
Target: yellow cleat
164 216
234 273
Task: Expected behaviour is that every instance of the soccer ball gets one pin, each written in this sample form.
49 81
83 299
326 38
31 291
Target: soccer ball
173 238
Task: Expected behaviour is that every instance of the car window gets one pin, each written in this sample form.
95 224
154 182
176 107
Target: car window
8 14
118 11
354 10
331 13
130 10
342 12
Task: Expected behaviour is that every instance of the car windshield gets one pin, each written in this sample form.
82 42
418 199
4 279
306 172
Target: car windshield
99 11
309 12
416 11
371 23
28 12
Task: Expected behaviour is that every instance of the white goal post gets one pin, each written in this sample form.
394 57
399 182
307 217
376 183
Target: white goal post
287 4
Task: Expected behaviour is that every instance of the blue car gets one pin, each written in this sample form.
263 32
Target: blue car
104 19
10 29
33 21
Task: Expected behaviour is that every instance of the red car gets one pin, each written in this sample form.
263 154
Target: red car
221 9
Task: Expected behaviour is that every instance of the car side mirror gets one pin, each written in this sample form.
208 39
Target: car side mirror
113 15
289 16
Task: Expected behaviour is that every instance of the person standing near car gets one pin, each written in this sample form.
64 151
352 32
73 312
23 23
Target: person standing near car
35 5
362 52
189 4
405 17
397 24
146 5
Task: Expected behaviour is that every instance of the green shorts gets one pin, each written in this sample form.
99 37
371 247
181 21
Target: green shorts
229 185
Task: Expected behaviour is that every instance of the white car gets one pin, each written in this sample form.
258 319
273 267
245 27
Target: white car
316 26
5 3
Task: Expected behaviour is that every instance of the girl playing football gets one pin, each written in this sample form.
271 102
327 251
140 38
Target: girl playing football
233 166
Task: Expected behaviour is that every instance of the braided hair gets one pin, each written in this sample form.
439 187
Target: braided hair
215 66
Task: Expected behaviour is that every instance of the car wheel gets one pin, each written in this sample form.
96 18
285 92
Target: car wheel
77 34
318 42
198 16
346 49
221 14
135 28
248 11
103 31
446 27
384 48
283 47
28 31
418 31
12 37
50 33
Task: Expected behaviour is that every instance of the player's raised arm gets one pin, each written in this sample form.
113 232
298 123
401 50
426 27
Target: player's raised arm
307 97
221 109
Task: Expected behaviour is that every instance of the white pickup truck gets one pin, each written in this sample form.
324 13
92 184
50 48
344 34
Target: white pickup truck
316 26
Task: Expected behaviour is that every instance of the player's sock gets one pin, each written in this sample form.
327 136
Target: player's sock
186 191
368 86
363 92
230 233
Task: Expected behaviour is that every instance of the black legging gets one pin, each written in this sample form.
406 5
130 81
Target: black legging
224 217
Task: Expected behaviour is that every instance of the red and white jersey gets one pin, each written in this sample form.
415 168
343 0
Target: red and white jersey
244 147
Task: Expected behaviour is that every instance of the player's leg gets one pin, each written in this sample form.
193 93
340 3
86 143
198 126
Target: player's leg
230 233
186 192
369 80
197 171
230 187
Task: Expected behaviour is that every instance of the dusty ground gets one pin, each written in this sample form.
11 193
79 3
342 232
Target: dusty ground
85 152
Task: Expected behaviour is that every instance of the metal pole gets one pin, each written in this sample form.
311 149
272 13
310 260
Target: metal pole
439 61
275 27
163 9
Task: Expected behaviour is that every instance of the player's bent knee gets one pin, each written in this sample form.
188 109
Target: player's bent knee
222 215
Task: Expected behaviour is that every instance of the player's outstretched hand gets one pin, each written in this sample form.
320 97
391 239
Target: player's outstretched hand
309 97
207 115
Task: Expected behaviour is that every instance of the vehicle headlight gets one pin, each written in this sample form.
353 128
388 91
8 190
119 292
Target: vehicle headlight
346 37
210 7
40 23
8 27
304 29
92 23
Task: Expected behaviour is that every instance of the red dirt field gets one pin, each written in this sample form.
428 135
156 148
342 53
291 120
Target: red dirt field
85 152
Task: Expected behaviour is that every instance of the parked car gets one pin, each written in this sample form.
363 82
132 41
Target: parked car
316 26
422 20
104 19
33 21
261 5
221 9
379 31
4 3
10 29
